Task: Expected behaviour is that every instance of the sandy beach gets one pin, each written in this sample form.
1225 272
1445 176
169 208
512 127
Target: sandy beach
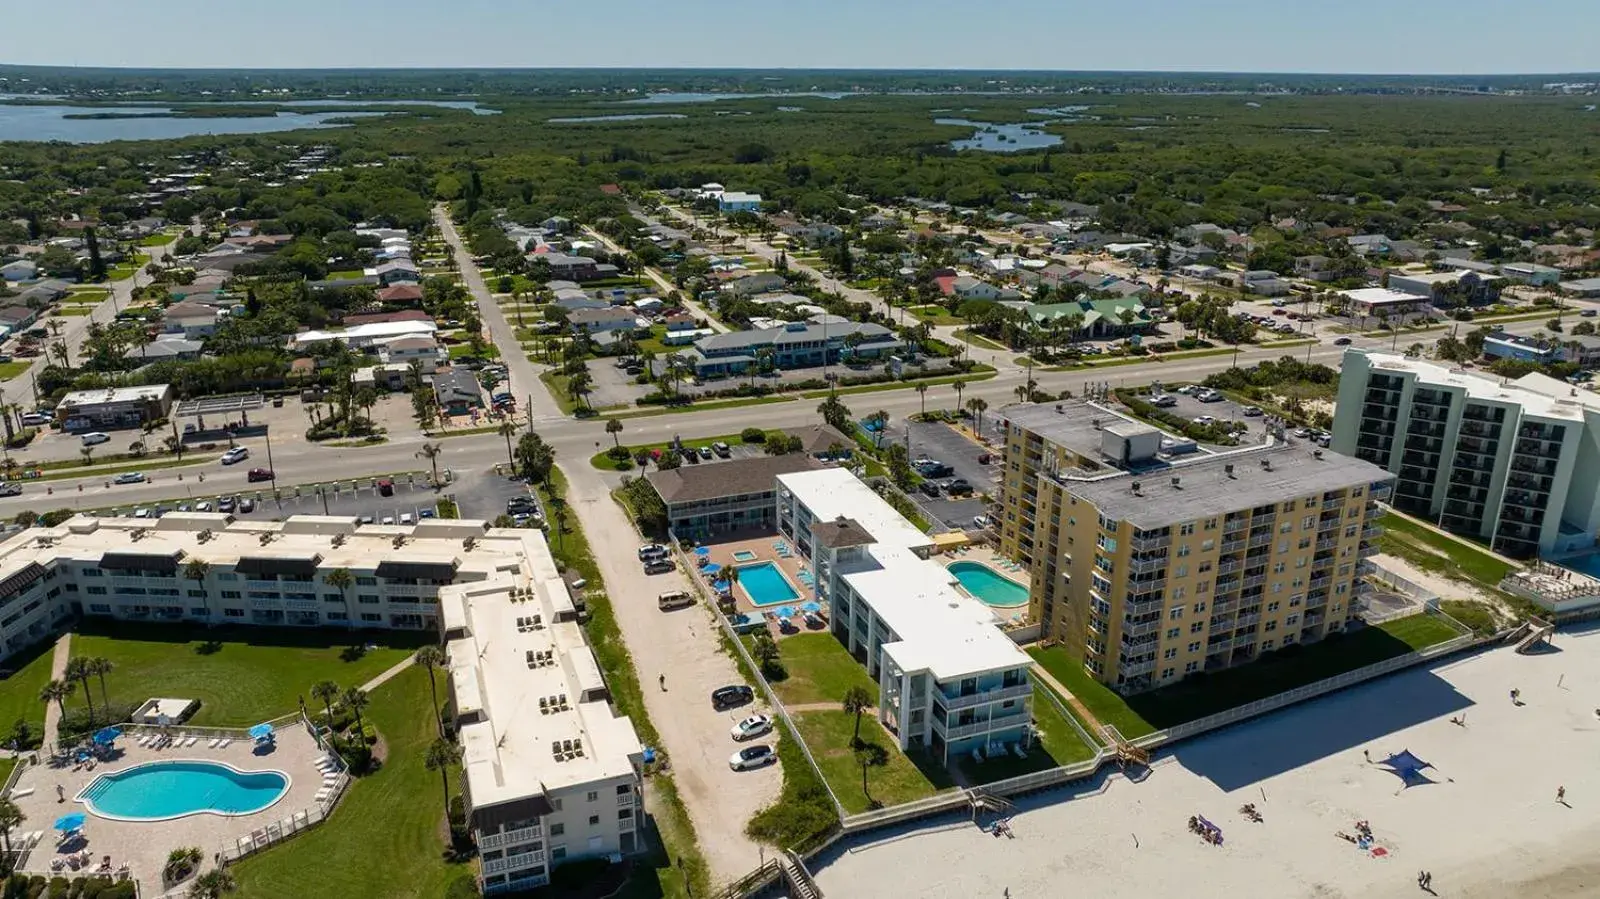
1486 822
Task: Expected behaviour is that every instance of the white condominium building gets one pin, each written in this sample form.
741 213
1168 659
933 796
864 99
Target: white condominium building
949 680
551 772
1514 464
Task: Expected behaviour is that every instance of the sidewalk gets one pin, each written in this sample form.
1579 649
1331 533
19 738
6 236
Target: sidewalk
58 670
1090 722
394 671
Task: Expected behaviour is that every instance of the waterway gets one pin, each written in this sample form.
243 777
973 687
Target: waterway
566 120
993 137
51 123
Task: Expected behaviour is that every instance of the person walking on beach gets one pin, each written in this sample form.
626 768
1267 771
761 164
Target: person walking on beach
1367 754
1561 795
1427 881
1516 696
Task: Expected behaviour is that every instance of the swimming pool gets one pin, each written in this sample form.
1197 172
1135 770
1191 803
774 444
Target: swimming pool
161 791
765 584
744 555
988 586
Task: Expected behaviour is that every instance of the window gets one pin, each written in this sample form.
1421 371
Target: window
557 830
1172 633
1202 588
199 612
1286 527
1271 626
227 576
1208 546
200 594
1211 524
1186 530
594 820
1181 571
1204 567
1197 627
1177 592
93 572
1278 567
624 814
1199 607
100 608
1272 607
1291 621
371 616
624 789
1170 653
366 582
1277 586
1183 551
1266 645
1305 543
1308 522
1191 668
230 594
95 591
233 613
337 615
1287 639
1167 673
332 597
1176 614
594 796
368 598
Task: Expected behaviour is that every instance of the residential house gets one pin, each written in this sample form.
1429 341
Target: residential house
44 292
571 268
736 201
17 318
592 321
192 320
1449 288
1263 282
1582 287
402 350
19 270
739 495
969 288
166 348
1368 244
373 318
823 441
1584 349
401 294
363 336
457 391
1200 272
756 283
574 300
1501 345
391 273
1315 268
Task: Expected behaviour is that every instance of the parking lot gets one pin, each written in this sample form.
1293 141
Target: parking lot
410 496
1223 410
935 440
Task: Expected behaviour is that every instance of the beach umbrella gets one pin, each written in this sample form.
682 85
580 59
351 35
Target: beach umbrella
786 612
811 607
261 731
106 735
702 550
69 823
712 568
649 754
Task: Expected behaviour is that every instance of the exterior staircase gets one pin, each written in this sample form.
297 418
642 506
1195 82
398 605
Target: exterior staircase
798 879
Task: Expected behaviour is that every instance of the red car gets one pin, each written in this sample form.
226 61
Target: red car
260 474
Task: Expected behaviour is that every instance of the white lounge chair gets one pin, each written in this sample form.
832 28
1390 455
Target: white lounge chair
147 739
20 792
322 794
191 741
224 743
213 743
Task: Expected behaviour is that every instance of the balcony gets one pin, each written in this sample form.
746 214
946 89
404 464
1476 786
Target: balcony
513 862
1140 629
1263 540
511 837
999 694
1256 581
1327 543
1247 621
1150 544
1319 582
1137 588
1235 526
962 731
1231 546
1224 606
1367 550
1228 584
1147 566
1134 669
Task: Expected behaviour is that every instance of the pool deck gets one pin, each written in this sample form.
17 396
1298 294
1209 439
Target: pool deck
761 543
988 558
143 845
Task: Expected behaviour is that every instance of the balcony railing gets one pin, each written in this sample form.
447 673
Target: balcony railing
513 862
1134 669
1148 544
511 837
962 731
1130 629
1231 546
999 694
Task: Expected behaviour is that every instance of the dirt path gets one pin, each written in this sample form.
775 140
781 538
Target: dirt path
58 670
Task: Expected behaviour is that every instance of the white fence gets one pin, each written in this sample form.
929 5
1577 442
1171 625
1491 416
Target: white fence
1400 583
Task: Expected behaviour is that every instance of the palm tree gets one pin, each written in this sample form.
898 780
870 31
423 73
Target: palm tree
442 756
856 700
341 579
432 657
11 818
197 570
87 453
922 394
432 452
212 884
100 667
56 691
868 755
327 691
78 672
508 430
977 405
356 700
614 427
959 384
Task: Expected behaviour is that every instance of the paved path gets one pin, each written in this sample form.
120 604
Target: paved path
58 670
666 286
394 671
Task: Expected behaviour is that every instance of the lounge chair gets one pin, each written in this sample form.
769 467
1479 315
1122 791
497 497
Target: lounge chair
977 755
225 742
322 794
215 742
1016 750
190 742
144 740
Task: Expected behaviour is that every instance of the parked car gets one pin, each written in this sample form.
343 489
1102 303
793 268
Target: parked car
203 507
1163 400
407 518
236 455
721 449
982 521
1204 420
674 599
731 695
141 512
1251 411
36 420
1588 313
958 486
247 505
259 474
1190 389
753 726
985 458
387 519
652 551
95 438
129 477
385 487
1341 341
659 566
1209 396
227 504
750 757
931 488
705 452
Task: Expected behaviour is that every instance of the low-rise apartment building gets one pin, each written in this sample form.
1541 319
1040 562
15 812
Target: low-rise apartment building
795 345
1150 568
1512 464
950 681
724 497
551 771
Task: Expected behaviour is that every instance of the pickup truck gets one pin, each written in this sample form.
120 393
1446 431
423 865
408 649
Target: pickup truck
676 599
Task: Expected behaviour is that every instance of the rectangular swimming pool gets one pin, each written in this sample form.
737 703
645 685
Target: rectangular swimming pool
744 555
765 584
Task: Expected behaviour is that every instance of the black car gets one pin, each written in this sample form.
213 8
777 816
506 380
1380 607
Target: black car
1342 341
931 488
958 486
227 504
730 696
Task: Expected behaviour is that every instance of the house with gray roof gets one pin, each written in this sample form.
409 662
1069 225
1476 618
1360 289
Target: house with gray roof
703 500
607 319
795 345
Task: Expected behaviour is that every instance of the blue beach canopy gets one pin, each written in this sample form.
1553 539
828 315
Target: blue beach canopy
70 822
649 754
261 731
106 735
786 612
702 550
811 607
712 568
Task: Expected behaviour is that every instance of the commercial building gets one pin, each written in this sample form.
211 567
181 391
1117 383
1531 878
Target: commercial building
1150 568
1514 465
795 345
114 407
1384 301
722 497
1531 273
522 679
949 680
736 201
1501 345
1449 288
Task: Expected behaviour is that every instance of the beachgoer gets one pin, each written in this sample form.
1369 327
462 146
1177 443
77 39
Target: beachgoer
1367 754
1427 881
61 795
1561 794
663 683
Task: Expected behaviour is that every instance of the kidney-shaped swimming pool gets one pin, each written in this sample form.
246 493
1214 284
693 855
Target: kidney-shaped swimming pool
160 791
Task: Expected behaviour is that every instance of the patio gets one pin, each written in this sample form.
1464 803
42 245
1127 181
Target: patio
47 791
807 613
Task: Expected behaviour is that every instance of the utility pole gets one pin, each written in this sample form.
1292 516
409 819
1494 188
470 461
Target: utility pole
278 498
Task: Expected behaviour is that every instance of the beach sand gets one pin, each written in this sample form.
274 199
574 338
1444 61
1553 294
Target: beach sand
1486 825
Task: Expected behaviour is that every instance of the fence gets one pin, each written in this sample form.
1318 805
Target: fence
1400 584
761 680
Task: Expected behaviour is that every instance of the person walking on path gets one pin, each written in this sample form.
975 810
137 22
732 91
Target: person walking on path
1516 696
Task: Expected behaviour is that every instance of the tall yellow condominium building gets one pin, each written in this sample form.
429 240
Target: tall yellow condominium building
1151 563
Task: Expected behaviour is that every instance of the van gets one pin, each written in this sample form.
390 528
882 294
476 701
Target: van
676 599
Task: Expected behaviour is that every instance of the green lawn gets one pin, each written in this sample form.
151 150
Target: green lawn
935 315
605 463
348 274
19 693
157 240
246 675
1219 691
1430 550
820 670
89 295
464 350
387 837
897 780
9 370
1058 745
978 340
75 310
121 272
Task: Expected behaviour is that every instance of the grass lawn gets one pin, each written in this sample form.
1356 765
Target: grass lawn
88 295
820 670
980 340
9 370
246 675
347 274
1430 550
74 310
157 240
1058 745
387 837
19 693
935 315
605 463
897 780
121 272
464 350
1219 691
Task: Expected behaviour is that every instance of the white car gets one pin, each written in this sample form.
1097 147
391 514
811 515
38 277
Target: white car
36 419
236 455
1164 401
753 726
387 519
1204 420
1251 411
752 757
407 518
95 438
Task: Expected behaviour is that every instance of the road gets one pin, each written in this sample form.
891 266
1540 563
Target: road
661 281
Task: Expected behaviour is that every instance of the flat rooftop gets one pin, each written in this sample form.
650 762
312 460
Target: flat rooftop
1227 482
1075 425
1532 394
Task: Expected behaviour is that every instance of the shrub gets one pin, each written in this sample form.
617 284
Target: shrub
76 724
22 438
181 863
753 435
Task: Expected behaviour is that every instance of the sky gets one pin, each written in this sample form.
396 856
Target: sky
1352 36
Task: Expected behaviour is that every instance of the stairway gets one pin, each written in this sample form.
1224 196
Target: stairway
801 886
984 801
1535 634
